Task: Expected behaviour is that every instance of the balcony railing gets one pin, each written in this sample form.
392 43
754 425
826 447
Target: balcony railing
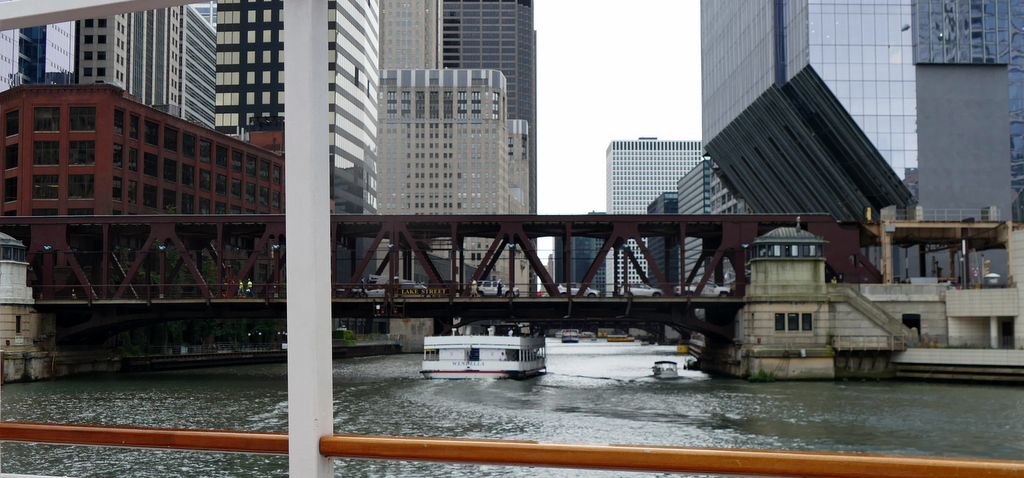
970 341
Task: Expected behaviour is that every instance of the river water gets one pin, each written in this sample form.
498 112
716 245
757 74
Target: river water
593 393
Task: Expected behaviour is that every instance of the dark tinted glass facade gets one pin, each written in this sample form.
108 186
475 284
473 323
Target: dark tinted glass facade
497 35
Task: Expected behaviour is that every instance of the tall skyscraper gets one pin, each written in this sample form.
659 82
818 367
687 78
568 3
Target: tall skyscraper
498 35
164 57
37 55
250 86
207 11
823 106
639 171
410 35
444 143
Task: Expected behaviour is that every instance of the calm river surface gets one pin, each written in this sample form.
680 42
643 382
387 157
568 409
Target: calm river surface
593 393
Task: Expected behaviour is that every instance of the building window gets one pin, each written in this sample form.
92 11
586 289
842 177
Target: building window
188 174
133 159
236 188
44 211
80 211
149 164
116 189
118 155
119 122
250 192
265 170
80 186
807 321
780 321
170 203
82 153
188 203
11 156
10 189
250 165
45 186
188 146
222 185
221 208
204 206
276 204
794 321
152 133
133 127
11 123
83 118
46 153
149 196
170 170
277 174
264 196
133 190
170 139
47 120
204 150
222 156
204 180
236 161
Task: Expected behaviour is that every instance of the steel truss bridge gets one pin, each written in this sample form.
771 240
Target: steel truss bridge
106 274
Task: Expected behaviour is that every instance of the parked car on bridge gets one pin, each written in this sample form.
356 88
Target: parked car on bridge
640 290
574 290
710 289
489 288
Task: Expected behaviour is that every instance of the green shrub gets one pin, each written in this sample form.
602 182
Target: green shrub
762 376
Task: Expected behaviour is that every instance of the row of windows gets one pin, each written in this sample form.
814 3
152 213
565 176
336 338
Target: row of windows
793 321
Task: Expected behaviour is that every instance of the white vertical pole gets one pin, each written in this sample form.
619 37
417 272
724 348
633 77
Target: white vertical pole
310 413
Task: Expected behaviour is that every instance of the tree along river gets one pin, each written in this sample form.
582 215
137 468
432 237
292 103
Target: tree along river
593 393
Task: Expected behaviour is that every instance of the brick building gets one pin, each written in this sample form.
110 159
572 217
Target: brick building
94 149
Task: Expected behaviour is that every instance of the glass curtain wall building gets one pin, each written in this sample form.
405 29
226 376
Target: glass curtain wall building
498 35
38 55
250 86
824 106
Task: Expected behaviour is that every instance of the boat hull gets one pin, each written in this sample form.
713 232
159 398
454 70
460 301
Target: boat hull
480 374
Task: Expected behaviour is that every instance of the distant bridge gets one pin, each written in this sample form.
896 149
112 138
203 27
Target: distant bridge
104 274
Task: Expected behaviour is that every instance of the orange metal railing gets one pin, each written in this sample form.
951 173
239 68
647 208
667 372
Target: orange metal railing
708 461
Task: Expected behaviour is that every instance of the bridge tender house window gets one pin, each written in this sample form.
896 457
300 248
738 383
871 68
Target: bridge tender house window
793 321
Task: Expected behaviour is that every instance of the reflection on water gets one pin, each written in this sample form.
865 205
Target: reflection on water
593 393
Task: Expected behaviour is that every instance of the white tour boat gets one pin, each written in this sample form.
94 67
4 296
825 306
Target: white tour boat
483 356
665 369
570 336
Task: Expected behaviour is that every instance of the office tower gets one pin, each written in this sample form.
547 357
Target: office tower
444 143
164 57
639 171
250 86
820 106
37 55
208 11
519 186
410 35
667 258
94 149
498 35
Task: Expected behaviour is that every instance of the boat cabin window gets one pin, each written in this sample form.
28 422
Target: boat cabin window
431 355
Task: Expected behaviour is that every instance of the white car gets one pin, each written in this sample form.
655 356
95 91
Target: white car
641 290
379 290
575 290
710 289
489 288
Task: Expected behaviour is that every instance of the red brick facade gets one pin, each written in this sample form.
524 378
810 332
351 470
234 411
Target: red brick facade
93 149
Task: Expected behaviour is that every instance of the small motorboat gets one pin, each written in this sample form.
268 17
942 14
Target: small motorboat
665 369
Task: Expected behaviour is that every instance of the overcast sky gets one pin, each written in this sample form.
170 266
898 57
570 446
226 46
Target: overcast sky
610 70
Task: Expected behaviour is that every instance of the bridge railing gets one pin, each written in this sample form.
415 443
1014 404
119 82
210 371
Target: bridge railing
644 458
149 292
869 342
980 341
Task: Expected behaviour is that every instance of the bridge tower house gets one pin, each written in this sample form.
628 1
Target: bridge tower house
24 332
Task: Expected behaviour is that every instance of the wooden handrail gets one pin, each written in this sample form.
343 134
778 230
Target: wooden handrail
529 453
663 459
131 437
